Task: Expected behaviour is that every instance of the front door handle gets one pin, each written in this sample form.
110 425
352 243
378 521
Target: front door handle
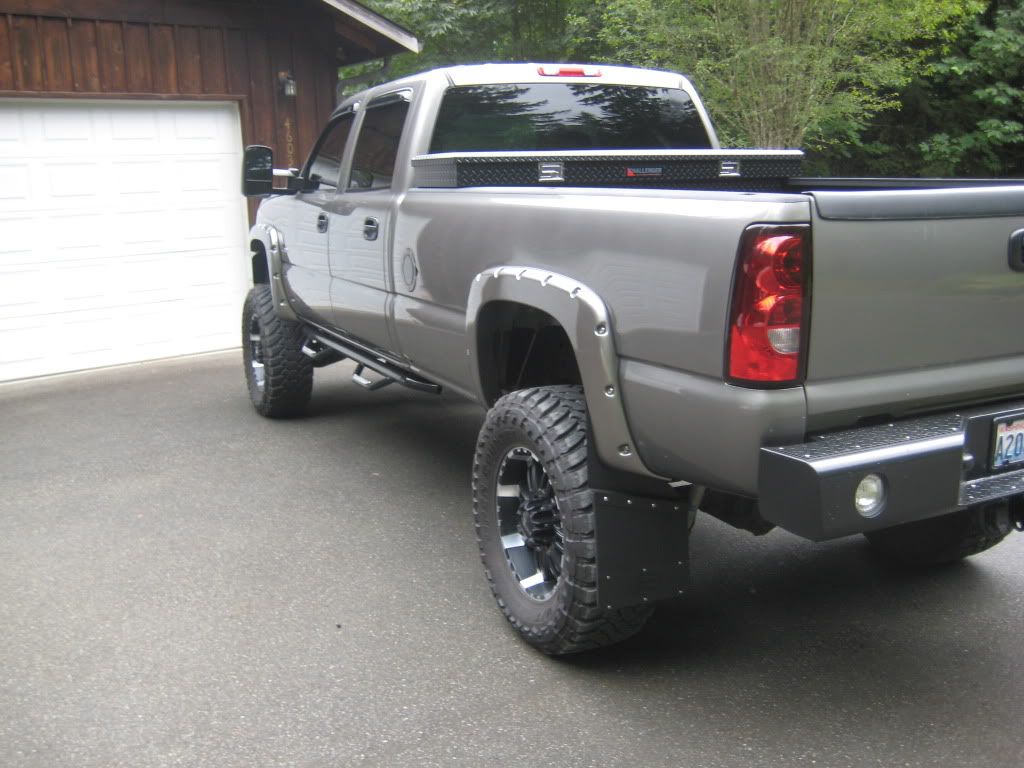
371 228
321 222
1017 251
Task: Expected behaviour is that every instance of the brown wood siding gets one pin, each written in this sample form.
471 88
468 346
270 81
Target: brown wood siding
162 59
182 48
6 56
137 59
27 61
85 61
57 55
110 44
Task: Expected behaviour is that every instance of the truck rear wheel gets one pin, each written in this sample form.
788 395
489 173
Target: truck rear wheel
947 538
278 374
534 515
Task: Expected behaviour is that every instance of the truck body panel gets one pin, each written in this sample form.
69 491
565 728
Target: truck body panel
902 284
913 305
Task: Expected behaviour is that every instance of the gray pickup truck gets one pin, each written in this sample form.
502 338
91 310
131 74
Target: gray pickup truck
656 325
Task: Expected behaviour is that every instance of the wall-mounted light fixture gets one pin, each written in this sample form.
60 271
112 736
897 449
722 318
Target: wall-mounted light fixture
287 83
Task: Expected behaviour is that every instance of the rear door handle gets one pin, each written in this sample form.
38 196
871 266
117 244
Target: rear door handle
321 222
371 228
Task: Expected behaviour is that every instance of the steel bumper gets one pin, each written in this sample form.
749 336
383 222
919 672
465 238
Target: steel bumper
929 466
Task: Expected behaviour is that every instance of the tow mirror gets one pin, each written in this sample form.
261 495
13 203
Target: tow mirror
257 171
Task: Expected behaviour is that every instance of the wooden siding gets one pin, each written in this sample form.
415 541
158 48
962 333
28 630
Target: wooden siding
232 49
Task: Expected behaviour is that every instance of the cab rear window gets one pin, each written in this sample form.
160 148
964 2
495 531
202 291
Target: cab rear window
566 116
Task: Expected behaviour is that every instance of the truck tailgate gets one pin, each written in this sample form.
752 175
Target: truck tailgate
914 282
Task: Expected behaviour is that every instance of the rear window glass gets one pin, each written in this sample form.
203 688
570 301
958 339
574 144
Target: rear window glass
554 116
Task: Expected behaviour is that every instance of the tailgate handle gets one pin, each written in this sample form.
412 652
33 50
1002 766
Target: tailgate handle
321 222
371 228
1017 251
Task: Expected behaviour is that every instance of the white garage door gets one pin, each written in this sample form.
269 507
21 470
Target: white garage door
121 232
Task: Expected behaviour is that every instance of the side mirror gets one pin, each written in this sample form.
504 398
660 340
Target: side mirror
257 171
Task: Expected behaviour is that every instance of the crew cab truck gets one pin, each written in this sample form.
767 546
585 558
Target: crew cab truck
656 326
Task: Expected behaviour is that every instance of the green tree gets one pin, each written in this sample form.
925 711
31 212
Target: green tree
978 102
473 31
961 116
785 73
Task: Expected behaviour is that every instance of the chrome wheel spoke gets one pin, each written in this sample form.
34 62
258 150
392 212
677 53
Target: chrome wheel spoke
529 523
532 581
508 491
259 373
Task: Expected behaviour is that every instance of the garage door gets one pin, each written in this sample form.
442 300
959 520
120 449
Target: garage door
121 233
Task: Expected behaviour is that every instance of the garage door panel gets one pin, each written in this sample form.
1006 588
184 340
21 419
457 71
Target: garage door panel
72 179
68 237
63 125
123 233
134 125
12 133
23 294
14 182
20 233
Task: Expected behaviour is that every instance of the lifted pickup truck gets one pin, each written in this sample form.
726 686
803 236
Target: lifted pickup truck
656 325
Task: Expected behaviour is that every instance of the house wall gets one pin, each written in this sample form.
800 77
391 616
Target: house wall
227 49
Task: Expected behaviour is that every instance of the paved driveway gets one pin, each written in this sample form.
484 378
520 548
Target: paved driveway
184 583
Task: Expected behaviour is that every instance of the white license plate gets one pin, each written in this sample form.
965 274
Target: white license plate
1009 443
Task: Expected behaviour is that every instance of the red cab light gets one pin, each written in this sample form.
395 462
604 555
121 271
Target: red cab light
768 317
556 71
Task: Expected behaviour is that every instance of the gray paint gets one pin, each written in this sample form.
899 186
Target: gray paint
700 428
903 295
908 312
896 205
655 257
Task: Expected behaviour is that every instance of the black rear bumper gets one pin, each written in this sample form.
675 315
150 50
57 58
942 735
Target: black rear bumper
929 465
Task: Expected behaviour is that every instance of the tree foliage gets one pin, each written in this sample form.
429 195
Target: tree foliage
885 86
786 73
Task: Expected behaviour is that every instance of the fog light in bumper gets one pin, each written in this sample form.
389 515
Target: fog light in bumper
870 496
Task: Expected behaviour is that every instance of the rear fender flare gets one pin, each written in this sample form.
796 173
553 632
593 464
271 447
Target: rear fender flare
585 318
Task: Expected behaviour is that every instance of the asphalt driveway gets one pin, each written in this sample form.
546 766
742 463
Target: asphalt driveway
184 583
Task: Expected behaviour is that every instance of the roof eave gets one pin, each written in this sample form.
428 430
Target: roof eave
403 38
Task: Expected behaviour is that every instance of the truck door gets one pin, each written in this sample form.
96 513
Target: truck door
307 271
359 253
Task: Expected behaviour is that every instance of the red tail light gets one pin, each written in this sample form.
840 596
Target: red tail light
768 320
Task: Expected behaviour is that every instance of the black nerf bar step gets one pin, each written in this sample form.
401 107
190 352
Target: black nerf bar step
366 359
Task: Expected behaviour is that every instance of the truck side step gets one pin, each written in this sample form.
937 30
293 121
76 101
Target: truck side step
369 384
366 359
320 355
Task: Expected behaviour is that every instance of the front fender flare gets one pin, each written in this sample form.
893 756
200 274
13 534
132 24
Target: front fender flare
272 240
587 322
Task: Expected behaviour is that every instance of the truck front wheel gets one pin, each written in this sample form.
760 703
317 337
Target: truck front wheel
278 374
534 515
946 538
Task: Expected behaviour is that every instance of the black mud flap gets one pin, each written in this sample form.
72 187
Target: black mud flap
642 548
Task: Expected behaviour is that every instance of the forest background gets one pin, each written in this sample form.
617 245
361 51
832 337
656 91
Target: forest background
865 87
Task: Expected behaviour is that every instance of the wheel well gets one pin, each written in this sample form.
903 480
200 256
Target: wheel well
260 271
519 346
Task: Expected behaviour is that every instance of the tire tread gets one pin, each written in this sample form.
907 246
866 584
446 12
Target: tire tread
557 415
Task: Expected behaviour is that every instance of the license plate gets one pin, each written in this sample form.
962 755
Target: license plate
1009 443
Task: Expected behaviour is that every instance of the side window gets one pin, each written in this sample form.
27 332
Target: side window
373 164
325 166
